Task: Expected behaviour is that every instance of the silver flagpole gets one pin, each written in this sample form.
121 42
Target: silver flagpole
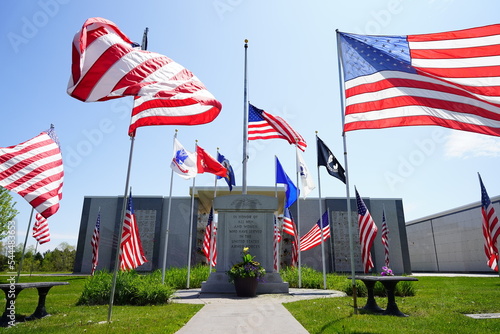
321 224
349 222
245 124
165 250
124 206
191 225
24 246
298 220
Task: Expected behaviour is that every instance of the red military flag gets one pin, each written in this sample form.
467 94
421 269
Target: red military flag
94 243
206 163
106 64
448 79
313 238
41 229
210 240
367 233
34 170
131 254
385 240
491 228
263 125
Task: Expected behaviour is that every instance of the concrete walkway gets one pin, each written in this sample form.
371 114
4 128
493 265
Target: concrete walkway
227 313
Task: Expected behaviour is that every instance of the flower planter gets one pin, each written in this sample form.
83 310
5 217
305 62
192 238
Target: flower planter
246 286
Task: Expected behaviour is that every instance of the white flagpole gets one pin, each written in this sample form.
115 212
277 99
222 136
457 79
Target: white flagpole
191 224
349 223
298 220
165 250
124 206
245 124
321 225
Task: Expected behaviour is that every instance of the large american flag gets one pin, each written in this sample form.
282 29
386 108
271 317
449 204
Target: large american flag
367 233
34 170
313 238
385 239
210 240
106 64
491 228
290 228
41 229
131 254
94 243
449 79
263 125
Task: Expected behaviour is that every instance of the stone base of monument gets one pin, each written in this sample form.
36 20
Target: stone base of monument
218 283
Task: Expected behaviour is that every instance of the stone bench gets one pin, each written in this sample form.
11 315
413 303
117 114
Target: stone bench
12 291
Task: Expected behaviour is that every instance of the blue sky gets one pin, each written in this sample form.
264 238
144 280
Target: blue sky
292 72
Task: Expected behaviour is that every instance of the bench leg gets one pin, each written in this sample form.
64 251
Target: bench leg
40 310
371 304
9 315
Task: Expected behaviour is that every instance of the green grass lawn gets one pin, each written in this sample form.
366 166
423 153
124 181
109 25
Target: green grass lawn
438 307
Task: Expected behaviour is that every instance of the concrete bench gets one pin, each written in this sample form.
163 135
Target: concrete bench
12 290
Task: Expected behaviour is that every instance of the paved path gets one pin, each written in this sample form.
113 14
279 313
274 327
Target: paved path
226 313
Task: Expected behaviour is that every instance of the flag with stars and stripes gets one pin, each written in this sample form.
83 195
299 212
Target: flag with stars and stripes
491 228
263 125
313 238
94 243
449 79
209 240
41 229
385 240
367 233
131 254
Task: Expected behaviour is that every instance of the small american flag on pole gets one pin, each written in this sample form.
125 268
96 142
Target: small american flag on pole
491 228
290 228
34 170
41 229
448 79
209 240
313 238
94 243
263 125
276 244
367 233
131 255
385 240
106 64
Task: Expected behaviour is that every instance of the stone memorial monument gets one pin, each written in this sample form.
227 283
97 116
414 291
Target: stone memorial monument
244 221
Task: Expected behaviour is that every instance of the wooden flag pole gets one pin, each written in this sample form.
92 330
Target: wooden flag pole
165 250
124 207
245 125
349 222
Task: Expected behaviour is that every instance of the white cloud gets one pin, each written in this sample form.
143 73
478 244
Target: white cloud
462 144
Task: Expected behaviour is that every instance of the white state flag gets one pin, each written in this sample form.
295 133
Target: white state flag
183 162
306 177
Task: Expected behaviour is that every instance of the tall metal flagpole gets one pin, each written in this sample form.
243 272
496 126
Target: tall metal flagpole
349 222
124 207
165 250
24 246
191 226
298 222
245 124
321 225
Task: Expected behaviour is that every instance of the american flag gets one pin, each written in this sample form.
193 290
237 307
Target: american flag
263 125
41 229
290 228
210 240
131 254
34 170
385 240
491 228
206 163
367 233
94 243
448 79
313 238
106 64
276 244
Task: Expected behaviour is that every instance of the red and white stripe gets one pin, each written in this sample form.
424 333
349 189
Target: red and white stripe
491 229
385 240
132 254
94 243
313 238
106 64
367 233
210 240
456 84
41 229
34 170
276 244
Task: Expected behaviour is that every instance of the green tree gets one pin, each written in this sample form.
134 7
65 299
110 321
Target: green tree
7 211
